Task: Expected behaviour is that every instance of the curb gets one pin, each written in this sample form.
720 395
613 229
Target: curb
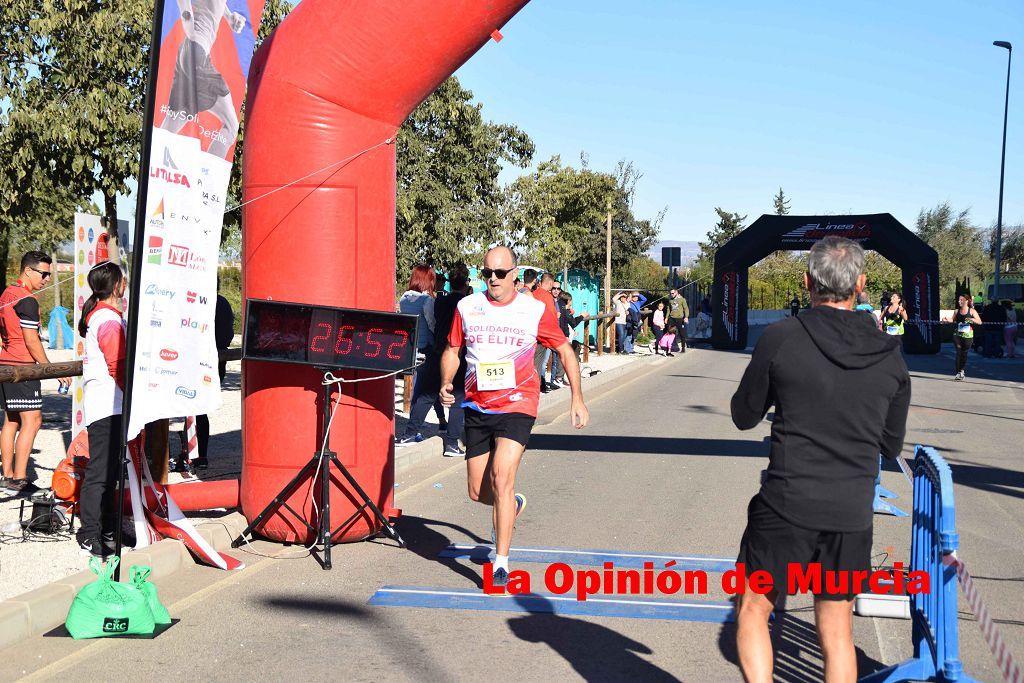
44 609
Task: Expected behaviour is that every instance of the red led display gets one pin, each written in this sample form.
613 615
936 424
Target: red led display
329 337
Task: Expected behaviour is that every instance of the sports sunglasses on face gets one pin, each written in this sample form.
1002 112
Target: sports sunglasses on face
499 272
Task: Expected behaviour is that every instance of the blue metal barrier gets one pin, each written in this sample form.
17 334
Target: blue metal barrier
934 614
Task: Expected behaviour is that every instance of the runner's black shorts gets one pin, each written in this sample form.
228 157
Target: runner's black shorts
19 396
482 430
771 543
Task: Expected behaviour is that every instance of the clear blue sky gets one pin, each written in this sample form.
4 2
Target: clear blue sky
849 107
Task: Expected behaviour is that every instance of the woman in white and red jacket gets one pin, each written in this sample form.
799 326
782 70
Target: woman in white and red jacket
102 326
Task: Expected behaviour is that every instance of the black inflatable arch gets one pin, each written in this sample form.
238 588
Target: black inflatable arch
879 232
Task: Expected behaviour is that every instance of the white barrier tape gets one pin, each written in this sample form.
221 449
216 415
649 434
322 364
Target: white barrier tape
1004 660
950 322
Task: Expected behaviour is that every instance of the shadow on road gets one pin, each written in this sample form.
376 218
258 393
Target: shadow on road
647 444
596 653
798 657
425 540
327 607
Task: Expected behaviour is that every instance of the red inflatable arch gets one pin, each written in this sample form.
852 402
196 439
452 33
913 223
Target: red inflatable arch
327 93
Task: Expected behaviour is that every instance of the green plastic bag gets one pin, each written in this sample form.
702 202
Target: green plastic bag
108 608
139 574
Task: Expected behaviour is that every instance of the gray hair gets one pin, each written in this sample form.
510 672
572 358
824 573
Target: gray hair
834 265
863 298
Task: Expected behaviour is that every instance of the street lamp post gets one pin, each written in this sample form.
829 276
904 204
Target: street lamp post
1002 169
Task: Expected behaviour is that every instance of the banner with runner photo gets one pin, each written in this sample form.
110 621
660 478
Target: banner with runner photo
205 47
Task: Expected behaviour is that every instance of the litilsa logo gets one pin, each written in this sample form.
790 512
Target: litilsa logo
168 171
185 392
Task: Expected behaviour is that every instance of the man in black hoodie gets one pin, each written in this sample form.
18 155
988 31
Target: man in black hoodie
841 392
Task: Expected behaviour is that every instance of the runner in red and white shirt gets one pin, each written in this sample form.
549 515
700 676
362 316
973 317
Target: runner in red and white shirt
500 329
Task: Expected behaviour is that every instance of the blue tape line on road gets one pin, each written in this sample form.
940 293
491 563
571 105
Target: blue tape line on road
547 603
591 558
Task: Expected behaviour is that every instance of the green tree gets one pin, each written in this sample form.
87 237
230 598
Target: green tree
553 210
72 74
558 216
959 243
1012 257
728 226
449 198
781 204
642 273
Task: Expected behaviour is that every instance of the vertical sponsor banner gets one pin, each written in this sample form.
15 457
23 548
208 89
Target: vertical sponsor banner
204 51
88 252
730 304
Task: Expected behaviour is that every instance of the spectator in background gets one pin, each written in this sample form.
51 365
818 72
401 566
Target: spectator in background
621 310
556 364
668 339
567 321
529 282
444 313
418 300
794 306
224 332
705 306
636 303
678 317
1010 331
995 321
22 401
658 325
541 354
103 329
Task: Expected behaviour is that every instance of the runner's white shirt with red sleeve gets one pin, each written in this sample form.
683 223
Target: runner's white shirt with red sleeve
500 341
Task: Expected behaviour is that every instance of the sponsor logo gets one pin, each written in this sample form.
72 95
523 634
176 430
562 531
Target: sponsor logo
168 354
204 364
155 249
923 303
185 392
156 219
156 322
812 232
189 323
159 291
115 625
154 385
165 372
169 176
168 171
178 255
207 379
184 217
730 303
193 296
515 397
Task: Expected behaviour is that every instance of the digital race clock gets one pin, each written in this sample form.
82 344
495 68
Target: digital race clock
329 337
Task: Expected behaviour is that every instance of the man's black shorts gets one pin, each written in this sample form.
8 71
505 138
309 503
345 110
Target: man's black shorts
482 429
771 543
19 396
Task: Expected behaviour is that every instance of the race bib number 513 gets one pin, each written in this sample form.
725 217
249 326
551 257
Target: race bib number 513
495 375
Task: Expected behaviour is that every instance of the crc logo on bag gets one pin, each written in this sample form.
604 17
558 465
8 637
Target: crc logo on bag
115 625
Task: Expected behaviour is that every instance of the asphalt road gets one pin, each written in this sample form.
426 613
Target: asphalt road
660 470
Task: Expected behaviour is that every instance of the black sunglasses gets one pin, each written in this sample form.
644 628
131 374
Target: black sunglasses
500 272
44 273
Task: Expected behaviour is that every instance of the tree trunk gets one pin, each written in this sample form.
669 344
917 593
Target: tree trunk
110 208
5 254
